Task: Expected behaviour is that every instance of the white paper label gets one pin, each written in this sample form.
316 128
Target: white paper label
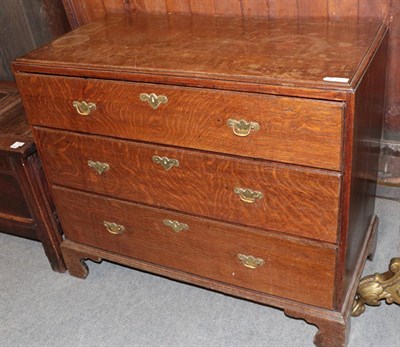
336 79
17 144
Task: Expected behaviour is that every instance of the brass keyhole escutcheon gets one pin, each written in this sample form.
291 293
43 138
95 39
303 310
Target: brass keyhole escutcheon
84 108
99 167
114 228
175 225
250 261
165 162
241 127
248 195
153 100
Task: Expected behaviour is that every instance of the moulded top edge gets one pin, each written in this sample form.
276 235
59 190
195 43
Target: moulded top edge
316 54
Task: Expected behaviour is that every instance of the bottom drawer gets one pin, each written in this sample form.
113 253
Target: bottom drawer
275 264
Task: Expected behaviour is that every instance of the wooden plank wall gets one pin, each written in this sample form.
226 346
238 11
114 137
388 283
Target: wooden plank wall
84 11
25 25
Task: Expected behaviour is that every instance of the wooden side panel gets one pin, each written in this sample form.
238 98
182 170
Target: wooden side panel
207 248
12 202
297 201
25 228
360 199
5 166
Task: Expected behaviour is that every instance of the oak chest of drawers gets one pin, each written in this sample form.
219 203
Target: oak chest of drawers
239 155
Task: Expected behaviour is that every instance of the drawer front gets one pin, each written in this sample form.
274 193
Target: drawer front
296 201
286 267
284 129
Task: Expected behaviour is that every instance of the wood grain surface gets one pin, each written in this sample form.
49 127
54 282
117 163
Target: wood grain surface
12 116
208 248
297 201
84 11
13 126
287 52
194 118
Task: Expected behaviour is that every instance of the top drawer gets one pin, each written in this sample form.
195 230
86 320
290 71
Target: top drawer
292 130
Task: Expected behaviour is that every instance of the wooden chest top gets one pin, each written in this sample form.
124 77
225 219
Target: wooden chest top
298 53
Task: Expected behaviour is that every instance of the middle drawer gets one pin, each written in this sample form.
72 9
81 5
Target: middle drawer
260 194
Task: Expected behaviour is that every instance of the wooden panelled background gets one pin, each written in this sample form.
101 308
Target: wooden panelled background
84 11
25 25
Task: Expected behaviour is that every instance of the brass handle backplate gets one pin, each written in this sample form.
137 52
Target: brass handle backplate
248 195
114 228
175 226
98 167
250 261
154 100
165 162
241 127
84 108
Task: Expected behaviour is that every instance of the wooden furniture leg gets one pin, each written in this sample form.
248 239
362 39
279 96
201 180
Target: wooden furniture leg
333 326
75 261
48 229
333 329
